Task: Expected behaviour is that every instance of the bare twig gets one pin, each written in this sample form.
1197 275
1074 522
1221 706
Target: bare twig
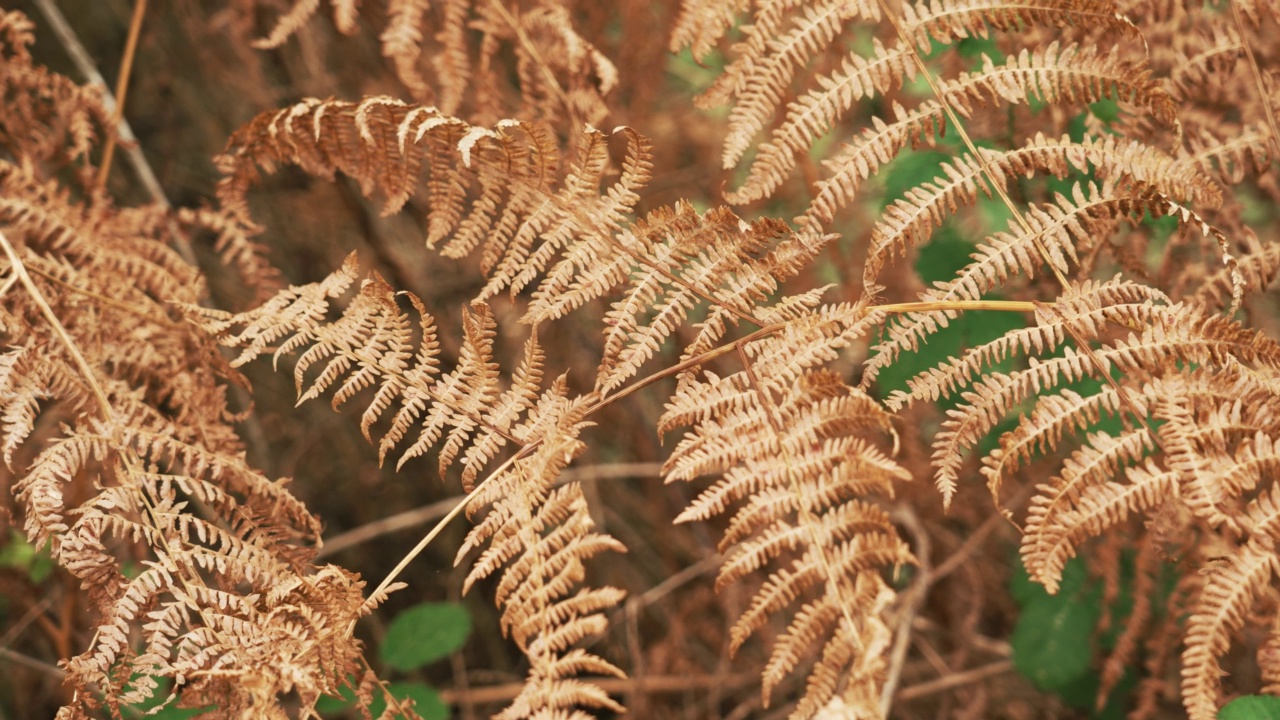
436 510
18 658
912 599
998 667
129 142
122 87
613 686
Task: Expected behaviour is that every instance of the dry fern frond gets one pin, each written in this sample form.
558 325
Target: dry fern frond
561 73
1055 229
790 445
344 17
536 536
946 21
518 217
1053 74
115 426
1228 594
47 117
911 220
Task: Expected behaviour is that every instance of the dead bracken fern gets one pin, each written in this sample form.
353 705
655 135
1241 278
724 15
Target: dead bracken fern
1087 156
117 427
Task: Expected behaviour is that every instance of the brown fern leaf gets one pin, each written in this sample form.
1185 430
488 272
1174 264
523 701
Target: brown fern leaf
1057 228
1052 74
1229 153
372 343
801 517
402 44
1084 309
374 141
537 536
818 111
220 587
1177 334
344 17
47 116
672 261
701 24
579 209
813 27
518 218
911 220
946 21
1227 596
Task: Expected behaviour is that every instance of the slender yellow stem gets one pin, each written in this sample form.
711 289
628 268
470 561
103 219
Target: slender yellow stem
122 88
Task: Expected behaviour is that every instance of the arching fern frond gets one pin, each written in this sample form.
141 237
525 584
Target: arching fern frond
790 444
1053 74
911 220
534 536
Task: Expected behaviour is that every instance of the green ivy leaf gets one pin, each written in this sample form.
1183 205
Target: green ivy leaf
426 701
1026 591
20 555
425 633
1052 641
1252 707
170 711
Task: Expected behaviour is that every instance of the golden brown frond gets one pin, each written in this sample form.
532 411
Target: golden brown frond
47 117
146 458
790 446
536 535
911 220
1052 74
1056 229
517 217
813 27
946 21
702 23
1227 595
344 17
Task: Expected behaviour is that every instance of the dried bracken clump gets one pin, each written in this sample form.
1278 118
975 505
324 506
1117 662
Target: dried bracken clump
1102 137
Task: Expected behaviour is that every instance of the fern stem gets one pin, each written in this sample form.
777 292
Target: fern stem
934 306
20 272
122 88
444 521
1263 96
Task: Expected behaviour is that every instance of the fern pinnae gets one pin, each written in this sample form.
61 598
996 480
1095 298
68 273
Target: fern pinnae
910 220
814 27
1052 537
1053 416
1080 310
816 112
1228 594
1051 74
537 538
792 509
1057 228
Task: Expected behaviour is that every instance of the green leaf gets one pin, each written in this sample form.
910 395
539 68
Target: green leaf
426 701
1026 591
331 705
1252 707
21 555
425 633
1052 641
909 169
170 711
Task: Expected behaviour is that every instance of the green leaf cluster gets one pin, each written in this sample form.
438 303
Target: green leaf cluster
417 637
